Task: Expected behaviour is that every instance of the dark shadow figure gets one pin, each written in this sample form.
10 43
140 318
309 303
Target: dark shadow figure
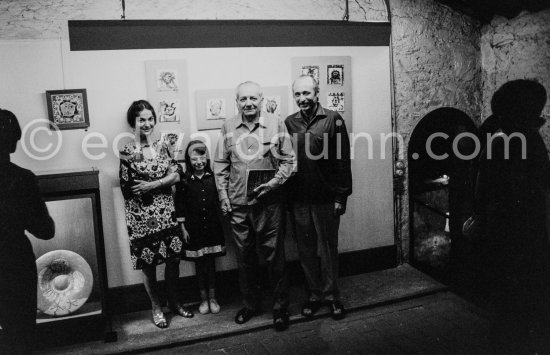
510 198
21 209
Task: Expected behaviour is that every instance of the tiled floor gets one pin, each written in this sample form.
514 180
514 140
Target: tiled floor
396 310
440 323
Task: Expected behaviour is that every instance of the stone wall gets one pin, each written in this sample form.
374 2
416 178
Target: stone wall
518 48
437 63
43 19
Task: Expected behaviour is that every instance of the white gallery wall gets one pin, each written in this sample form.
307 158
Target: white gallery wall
114 79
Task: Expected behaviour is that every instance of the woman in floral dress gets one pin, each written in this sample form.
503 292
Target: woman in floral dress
147 173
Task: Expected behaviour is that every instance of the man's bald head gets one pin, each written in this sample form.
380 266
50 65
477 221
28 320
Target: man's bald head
249 99
249 85
306 79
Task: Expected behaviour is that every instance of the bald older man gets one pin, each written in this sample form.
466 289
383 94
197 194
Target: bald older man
318 193
249 141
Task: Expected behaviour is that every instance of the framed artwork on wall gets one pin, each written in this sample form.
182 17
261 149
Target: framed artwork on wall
333 74
275 100
167 79
168 111
213 107
68 109
174 144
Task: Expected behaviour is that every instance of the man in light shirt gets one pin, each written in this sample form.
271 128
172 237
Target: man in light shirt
255 140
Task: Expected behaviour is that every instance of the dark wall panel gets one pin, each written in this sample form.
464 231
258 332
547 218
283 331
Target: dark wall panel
150 34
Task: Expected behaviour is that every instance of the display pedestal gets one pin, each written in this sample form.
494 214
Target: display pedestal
73 201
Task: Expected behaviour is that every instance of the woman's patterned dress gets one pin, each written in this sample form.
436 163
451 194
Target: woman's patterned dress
150 218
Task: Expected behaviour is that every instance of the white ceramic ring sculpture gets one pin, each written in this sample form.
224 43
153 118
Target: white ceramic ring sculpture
65 282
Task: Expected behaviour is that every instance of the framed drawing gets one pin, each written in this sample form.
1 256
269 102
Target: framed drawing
167 80
311 70
68 109
174 143
335 101
213 107
168 111
275 100
335 74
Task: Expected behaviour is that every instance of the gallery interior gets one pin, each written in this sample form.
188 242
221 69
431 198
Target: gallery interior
401 71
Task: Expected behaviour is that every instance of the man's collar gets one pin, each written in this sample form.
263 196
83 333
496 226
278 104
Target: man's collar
320 112
241 121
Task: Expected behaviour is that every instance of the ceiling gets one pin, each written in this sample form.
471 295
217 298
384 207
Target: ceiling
484 10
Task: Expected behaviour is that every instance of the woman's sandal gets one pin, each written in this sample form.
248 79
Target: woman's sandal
309 308
159 320
182 311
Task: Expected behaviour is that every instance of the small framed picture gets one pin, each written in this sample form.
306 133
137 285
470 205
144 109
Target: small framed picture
275 101
311 70
272 104
335 74
169 111
174 144
68 109
215 108
335 101
167 80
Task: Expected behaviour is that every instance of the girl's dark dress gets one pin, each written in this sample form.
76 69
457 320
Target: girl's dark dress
197 201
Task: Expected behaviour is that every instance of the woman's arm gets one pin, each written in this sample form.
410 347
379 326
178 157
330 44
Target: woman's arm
171 178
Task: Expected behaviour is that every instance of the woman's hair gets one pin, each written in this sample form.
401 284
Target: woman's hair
200 148
10 131
135 108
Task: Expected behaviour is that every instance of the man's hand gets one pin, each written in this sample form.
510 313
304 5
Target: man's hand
225 206
339 208
185 233
262 190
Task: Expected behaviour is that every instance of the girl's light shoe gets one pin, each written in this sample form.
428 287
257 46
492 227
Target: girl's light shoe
203 308
214 306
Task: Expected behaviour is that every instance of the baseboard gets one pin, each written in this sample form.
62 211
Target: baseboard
133 298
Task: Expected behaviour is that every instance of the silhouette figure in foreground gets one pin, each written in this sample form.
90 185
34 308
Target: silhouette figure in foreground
21 209
513 176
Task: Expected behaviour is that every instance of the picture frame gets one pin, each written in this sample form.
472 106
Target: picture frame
275 100
213 107
169 111
68 109
174 143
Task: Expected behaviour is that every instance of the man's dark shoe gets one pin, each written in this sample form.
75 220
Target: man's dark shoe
337 310
280 319
309 308
244 315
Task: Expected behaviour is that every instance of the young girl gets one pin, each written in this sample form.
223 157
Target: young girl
198 209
